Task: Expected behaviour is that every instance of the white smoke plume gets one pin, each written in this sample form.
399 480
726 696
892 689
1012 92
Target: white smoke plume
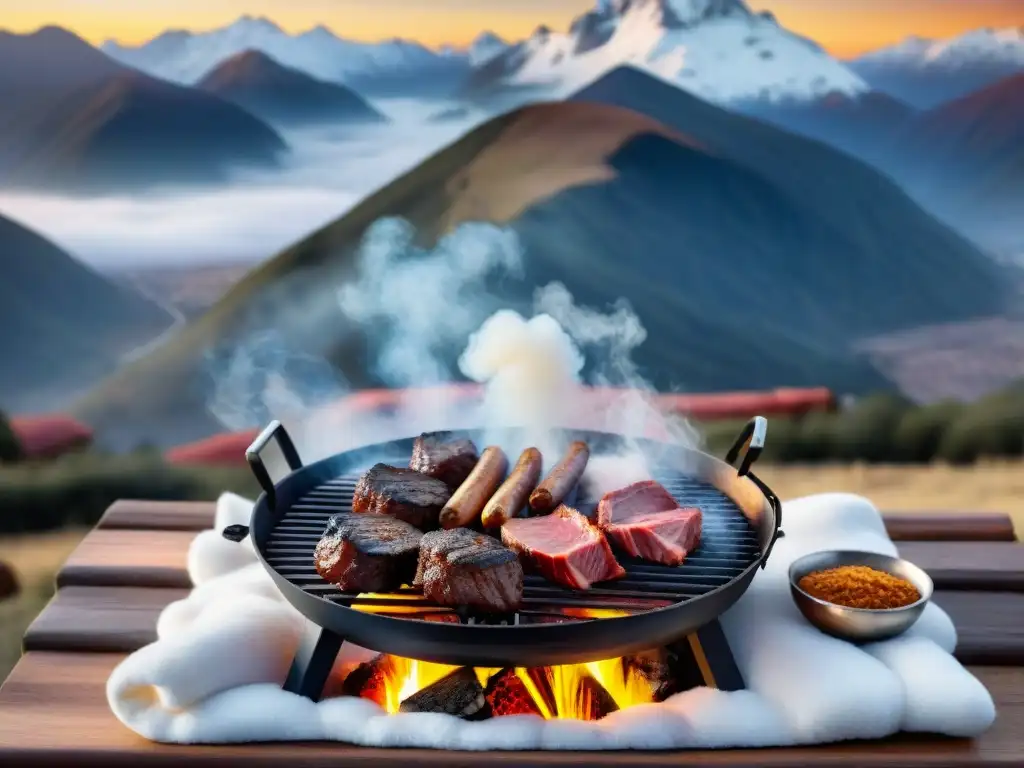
530 367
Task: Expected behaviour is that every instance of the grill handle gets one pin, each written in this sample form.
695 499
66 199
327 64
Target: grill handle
749 444
275 432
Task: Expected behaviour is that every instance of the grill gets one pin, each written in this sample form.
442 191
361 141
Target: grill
653 605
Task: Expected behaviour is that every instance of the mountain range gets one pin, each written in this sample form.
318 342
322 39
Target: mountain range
285 96
185 57
65 326
925 73
74 120
702 219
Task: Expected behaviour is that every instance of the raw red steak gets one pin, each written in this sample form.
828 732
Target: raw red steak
646 522
564 547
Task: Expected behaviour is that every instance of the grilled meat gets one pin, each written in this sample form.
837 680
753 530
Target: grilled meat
564 547
440 455
367 553
645 521
459 567
402 493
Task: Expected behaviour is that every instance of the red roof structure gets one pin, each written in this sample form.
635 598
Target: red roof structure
51 436
228 449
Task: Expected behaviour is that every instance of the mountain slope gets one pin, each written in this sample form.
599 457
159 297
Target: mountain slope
75 120
185 57
926 73
754 258
969 153
718 49
283 95
63 325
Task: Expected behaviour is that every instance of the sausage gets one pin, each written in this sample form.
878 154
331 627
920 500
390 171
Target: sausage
562 478
514 492
469 499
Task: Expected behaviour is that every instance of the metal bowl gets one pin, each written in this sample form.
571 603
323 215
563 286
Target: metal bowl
859 625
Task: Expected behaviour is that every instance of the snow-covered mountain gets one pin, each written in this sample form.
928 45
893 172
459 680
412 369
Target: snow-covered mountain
485 47
926 72
185 57
718 49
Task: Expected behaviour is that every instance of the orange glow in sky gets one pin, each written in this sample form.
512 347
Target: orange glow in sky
845 27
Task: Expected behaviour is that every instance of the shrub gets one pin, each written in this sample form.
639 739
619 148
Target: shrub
991 427
77 489
10 448
921 430
865 432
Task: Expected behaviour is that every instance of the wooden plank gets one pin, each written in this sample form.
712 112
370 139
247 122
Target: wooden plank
158 559
53 711
100 619
902 526
947 526
107 619
159 515
129 558
994 565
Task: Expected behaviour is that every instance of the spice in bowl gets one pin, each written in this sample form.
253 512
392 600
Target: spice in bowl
858 586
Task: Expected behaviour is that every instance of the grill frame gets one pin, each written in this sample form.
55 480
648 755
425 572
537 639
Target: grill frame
527 645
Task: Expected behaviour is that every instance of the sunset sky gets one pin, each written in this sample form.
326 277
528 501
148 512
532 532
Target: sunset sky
846 27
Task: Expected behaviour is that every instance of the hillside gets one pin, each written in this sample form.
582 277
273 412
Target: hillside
754 258
285 96
75 120
63 326
968 153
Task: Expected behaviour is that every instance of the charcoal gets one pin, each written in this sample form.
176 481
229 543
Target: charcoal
440 455
458 693
656 667
596 700
368 680
506 694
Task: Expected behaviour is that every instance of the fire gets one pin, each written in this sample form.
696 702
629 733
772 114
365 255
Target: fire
573 691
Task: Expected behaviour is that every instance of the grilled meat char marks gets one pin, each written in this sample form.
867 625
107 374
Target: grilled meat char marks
367 553
405 494
459 567
440 455
645 521
564 547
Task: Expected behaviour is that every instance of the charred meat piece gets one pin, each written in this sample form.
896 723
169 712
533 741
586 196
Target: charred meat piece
645 521
440 455
564 547
367 553
459 567
402 493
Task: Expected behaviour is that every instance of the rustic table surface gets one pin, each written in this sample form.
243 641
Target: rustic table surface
53 709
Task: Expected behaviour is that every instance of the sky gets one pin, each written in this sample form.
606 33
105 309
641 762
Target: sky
845 27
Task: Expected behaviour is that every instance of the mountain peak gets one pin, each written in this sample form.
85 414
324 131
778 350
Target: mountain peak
256 24
674 14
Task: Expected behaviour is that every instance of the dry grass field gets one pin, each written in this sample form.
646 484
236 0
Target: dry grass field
995 487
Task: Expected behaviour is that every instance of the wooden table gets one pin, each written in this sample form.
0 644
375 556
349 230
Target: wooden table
53 709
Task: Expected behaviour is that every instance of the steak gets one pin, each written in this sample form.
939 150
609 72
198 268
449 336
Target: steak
645 521
403 493
367 553
460 567
439 455
565 547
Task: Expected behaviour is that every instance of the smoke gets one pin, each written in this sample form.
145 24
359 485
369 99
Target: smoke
527 370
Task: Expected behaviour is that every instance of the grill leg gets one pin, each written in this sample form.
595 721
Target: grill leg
709 660
313 662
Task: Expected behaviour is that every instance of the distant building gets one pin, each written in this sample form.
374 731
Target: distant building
50 436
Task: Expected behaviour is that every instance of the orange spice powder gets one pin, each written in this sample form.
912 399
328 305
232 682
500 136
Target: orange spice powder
858 586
